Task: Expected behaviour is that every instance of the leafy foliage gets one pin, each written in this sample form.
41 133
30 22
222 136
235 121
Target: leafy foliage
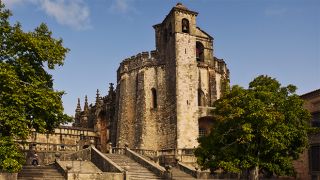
264 126
27 97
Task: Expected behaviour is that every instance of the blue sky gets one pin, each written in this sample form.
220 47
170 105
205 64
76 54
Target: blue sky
279 38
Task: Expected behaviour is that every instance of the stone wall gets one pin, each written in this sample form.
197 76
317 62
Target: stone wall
139 123
8 176
64 138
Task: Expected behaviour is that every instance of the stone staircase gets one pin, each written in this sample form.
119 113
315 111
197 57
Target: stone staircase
44 172
135 170
177 174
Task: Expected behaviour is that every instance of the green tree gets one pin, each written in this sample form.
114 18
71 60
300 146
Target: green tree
27 98
259 129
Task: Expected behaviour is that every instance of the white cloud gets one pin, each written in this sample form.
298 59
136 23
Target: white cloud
10 3
72 13
275 11
122 6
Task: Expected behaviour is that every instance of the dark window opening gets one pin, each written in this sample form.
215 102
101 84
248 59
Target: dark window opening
85 146
165 34
199 51
201 98
170 30
315 122
202 132
81 136
154 98
315 158
185 26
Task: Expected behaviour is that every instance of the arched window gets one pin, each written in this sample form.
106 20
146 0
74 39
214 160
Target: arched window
199 51
154 98
185 26
201 98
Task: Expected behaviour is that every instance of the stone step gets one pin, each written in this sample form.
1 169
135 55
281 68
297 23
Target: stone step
136 171
28 174
178 174
40 172
146 176
143 178
42 178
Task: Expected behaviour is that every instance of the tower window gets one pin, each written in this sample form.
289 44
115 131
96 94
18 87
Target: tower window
154 98
185 26
199 51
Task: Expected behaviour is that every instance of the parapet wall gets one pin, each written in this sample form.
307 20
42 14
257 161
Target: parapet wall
138 61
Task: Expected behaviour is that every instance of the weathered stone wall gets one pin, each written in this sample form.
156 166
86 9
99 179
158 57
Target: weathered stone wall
303 165
187 91
139 123
8 176
62 139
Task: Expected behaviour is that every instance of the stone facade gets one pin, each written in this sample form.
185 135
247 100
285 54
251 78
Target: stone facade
162 96
64 140
308 165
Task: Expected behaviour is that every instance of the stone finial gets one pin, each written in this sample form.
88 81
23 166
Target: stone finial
86 106
78 109
111 88
126 168
91 142
97 97
57 156
69 167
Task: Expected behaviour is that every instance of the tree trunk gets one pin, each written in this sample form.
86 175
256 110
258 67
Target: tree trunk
254 173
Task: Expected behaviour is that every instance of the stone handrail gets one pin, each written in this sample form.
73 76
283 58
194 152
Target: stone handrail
157 169
84 154
61 169
187 169
118 150
146 152
181 151
104 163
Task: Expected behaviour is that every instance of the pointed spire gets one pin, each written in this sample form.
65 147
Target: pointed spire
78 109
86 107
98 96
110 88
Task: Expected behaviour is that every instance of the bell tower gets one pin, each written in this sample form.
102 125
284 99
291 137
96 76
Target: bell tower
176 45
186 76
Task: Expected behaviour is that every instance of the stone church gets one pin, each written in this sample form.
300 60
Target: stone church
162 99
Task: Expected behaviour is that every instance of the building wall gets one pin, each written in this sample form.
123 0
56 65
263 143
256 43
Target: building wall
303 165
62 139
